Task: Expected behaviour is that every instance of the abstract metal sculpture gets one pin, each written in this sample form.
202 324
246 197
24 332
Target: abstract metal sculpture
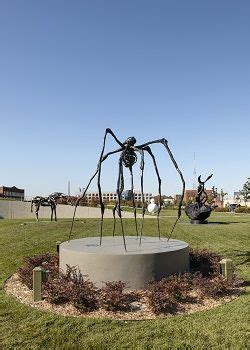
127 159
199 211
50 201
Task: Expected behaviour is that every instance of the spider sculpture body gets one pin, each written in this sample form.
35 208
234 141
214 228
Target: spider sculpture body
128 156
50 201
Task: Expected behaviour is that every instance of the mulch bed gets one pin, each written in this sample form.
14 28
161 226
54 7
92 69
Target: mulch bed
139 309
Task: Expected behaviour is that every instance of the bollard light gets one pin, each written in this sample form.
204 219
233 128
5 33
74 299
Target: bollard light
227 268
37 283
39 275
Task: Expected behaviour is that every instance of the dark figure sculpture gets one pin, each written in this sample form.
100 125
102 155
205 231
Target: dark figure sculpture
128 158
199 211
50 201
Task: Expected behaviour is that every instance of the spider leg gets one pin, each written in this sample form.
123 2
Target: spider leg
143 201
101 202
100 197
119 190
52 210
108 131
37 210
142 190
55 213
78 201
120 187
133 199
164 142
98 171
114 210
86 189
148 149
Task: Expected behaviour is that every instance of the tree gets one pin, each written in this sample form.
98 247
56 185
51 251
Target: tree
222 195
245 192
210 199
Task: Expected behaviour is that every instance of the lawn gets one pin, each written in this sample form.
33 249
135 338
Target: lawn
224 327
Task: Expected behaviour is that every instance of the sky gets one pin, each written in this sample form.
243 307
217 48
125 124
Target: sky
151 69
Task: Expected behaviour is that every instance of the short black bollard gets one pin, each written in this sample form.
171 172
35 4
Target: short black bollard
58 246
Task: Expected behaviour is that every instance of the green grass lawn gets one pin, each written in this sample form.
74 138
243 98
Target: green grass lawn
224 327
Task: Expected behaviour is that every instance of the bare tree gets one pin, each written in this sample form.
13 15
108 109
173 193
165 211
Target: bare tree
222 196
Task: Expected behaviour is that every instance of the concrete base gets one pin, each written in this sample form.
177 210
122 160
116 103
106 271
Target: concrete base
153 260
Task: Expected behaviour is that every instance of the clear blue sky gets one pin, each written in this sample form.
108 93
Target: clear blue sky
152 69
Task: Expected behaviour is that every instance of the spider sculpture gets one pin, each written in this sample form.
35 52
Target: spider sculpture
128 156
50 201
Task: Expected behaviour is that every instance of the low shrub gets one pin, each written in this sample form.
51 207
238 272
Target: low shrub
50 262
160 298
221 209
242 209
164 296
71 287
204 262
57 290
178 286
160 302
217 286
84 293
113 297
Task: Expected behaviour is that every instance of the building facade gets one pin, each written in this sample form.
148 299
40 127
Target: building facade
11 192
236 199
112 196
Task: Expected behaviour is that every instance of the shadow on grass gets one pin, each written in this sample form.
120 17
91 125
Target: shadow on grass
211 223
225 223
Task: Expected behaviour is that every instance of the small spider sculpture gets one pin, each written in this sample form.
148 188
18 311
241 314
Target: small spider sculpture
50 201
127 159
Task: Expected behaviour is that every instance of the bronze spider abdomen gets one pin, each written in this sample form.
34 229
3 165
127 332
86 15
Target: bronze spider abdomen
129 158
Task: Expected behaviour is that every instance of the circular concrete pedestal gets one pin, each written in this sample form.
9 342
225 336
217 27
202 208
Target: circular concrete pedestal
152 260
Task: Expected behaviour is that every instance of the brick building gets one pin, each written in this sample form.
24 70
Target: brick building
11 192
190 195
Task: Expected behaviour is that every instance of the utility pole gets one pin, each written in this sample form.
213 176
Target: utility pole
69 188
194 174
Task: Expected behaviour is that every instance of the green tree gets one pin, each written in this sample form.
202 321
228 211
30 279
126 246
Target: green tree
210 199
245 192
